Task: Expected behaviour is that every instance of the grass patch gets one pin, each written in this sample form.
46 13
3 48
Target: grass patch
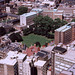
32 38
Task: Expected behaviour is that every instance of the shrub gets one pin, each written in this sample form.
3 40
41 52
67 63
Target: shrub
2 31
15 37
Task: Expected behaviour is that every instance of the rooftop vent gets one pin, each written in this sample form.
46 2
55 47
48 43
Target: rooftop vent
14 57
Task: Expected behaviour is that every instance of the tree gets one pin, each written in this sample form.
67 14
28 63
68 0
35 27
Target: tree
64 22
12 29
22 10
47 23
57 24
2 31
73 20
38 44
37 20
28 31
57 21
42 24
15 37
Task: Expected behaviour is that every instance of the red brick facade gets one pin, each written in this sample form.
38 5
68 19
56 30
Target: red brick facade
32 50
66 36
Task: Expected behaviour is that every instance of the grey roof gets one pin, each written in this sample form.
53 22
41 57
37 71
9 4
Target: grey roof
59 50
42 53
3 15
72 69
14 21
1 0
71 2
13 15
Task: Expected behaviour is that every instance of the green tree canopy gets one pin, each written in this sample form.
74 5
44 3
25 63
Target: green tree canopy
2 31
37 20
73 20
64 22
15 37
22 10
46 23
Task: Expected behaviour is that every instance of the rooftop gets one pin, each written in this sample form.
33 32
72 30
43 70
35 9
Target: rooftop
42 53
66 73
12 57
72 69
59 50
70 54
29 14
63 28
37 9
48 2
40 63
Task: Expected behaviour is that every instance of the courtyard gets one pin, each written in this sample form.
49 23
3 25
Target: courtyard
32 38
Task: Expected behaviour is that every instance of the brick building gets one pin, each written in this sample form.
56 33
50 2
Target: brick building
71 2
53 13
65 34
68 11
31 50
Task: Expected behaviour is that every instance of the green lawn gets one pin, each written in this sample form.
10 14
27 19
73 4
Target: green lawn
32 38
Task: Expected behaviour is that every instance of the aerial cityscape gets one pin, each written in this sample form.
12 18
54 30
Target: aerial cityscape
37 37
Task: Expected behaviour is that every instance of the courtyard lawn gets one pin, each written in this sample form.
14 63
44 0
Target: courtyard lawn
32 38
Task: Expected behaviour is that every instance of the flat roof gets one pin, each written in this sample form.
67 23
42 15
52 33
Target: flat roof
69 55
66 29
49 48
12 57
66 72
57 14
59 50
72 69
48 2
42 53
8 61
60 10
28 60
37 9
73 42
40 63
63 28
29 14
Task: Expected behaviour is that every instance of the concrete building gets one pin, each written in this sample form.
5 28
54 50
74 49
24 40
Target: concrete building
72 69
26 65
63 59
65 34
27 19
41 67
33 66
65 73
2 55
68 11
43 55
12 64
36 64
